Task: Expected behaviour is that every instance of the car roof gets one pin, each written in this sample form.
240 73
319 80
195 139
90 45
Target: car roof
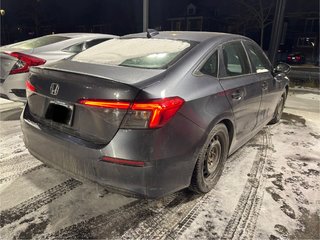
188 35
79 35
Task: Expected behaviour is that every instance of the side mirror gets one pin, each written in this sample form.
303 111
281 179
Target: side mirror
282 68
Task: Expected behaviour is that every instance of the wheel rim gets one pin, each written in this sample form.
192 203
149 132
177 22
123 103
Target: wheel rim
213 157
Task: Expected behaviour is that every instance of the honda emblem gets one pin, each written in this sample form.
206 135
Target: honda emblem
54 89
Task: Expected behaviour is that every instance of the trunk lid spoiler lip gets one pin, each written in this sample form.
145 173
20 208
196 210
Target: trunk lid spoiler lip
118 74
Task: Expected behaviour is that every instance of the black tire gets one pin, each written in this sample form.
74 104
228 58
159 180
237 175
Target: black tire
279 109
211 159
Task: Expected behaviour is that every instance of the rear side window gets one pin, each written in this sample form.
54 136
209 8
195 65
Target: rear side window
93 42
75 48
259 62
79 47
235 59
211 65
38 42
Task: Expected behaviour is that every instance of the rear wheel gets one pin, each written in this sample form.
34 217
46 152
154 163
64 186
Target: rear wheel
279 109
211 160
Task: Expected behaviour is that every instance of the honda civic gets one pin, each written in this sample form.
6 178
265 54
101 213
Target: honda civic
151 113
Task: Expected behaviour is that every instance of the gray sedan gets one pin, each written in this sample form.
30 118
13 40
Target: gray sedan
150 114
17 58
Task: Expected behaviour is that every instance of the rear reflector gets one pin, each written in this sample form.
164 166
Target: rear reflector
123 161
30 87
24 62
141 114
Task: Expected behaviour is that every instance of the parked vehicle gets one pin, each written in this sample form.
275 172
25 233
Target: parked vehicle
296 58
38 51
152 115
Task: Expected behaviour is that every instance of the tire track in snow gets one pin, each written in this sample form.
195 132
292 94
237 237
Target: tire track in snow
172 222
13 158
115 223
14 176
17 164
160 225
15 213
248 199
178 217
14 149
11 142
187 220
208 198
243 221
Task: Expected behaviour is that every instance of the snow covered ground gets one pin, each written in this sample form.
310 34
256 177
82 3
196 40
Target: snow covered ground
269 190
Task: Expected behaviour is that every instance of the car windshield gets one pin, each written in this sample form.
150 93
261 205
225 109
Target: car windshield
38 42
136 52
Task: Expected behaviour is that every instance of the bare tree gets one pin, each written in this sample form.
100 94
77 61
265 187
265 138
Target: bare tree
257 14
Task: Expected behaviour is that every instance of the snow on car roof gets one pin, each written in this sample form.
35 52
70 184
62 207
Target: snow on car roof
116 51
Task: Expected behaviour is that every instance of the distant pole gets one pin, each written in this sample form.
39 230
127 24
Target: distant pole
145 15
276 30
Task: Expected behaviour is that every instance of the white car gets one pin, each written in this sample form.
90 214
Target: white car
18 57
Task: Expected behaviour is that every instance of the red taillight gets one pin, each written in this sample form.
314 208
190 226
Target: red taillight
25 61
147 114
30 87
289 57
105 104
161 110
123 161
298 58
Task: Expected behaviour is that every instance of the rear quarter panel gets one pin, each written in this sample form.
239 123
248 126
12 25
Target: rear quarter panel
205 100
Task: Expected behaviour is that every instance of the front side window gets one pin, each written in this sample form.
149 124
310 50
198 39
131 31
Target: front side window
211 65
259 62
136 52
235 59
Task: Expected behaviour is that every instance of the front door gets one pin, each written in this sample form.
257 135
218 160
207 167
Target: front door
242 88
269 86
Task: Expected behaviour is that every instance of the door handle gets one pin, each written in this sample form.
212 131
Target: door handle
264 85
236 95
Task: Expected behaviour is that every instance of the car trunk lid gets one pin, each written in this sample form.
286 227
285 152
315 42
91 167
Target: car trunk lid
56 103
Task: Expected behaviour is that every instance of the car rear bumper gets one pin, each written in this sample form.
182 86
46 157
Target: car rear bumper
13 87
162 173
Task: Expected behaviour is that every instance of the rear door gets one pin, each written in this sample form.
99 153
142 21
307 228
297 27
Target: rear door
242 88
270 88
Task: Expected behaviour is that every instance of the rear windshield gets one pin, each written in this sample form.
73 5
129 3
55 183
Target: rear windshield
38 42
136 52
